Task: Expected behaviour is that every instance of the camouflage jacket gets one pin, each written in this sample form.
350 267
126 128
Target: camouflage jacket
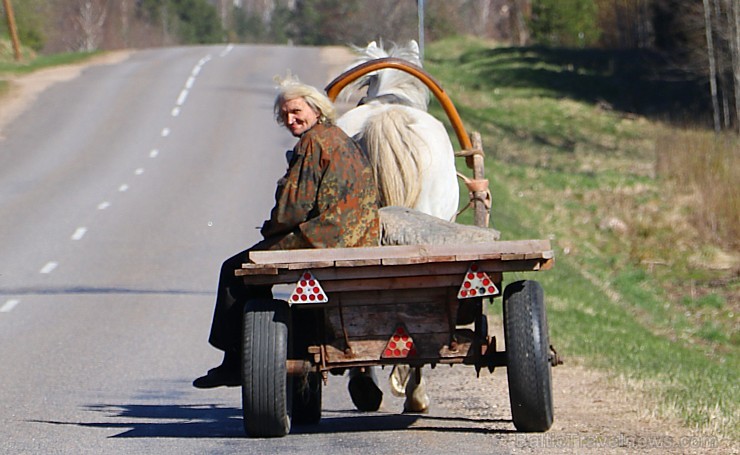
328 196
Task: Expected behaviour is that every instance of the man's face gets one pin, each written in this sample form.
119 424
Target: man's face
298 116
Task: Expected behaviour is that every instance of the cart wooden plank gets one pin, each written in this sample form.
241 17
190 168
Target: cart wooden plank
438 253
492 267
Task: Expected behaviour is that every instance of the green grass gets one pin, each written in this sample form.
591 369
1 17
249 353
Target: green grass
28 65
628 293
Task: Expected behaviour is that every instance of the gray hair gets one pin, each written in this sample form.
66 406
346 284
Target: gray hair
291 88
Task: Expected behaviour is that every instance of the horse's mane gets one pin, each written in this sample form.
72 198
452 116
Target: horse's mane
389 81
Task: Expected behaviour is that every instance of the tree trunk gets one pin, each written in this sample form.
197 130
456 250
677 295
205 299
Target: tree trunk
484 12
517 21
721 56
712 64
125 27
733 20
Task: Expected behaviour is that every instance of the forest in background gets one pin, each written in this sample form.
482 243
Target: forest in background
692 42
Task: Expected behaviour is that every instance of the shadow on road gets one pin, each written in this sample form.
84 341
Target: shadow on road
209 421
356 422
92 290
166 421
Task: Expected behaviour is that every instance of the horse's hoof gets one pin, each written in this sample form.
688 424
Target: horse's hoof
413 411
398 379
364 390
417 399
417 406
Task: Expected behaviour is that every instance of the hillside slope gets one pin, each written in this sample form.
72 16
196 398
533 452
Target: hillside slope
641 288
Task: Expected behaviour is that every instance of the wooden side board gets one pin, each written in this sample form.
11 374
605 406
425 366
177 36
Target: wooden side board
285 266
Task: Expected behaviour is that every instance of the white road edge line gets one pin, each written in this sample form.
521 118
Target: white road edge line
48 267
9 305
79 233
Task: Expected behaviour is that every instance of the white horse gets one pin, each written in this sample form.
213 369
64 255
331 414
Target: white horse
410 151
414 165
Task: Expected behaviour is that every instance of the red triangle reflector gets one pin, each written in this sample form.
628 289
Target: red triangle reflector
476 284
400 345
308 290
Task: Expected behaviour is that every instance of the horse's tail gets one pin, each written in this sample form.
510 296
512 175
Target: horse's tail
395 152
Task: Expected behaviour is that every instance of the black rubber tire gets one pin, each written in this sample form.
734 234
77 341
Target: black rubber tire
266 388
528 346
307 399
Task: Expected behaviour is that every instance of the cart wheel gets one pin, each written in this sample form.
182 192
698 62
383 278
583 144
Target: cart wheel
265 384
307 399
527 347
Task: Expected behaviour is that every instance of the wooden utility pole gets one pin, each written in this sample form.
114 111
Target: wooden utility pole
420 12
11 27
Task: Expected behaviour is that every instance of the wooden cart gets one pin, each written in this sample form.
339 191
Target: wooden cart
387 305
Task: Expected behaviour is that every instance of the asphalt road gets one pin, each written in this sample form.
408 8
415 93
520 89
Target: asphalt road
121 191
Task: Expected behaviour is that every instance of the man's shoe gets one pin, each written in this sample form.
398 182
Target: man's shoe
221 376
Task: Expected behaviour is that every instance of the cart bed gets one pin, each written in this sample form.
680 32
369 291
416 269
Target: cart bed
371 292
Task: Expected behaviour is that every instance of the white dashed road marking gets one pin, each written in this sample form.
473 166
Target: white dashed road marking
48 267
79 233
9 305
183 96
226 51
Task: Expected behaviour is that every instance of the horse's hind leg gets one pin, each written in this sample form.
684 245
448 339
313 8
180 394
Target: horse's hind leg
398 379
417 400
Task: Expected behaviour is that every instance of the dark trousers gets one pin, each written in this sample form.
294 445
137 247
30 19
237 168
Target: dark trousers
231 296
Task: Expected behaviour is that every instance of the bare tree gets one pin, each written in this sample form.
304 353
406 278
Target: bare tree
712 64
484 11
733 18
722 58
520 10
125 10
89 20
